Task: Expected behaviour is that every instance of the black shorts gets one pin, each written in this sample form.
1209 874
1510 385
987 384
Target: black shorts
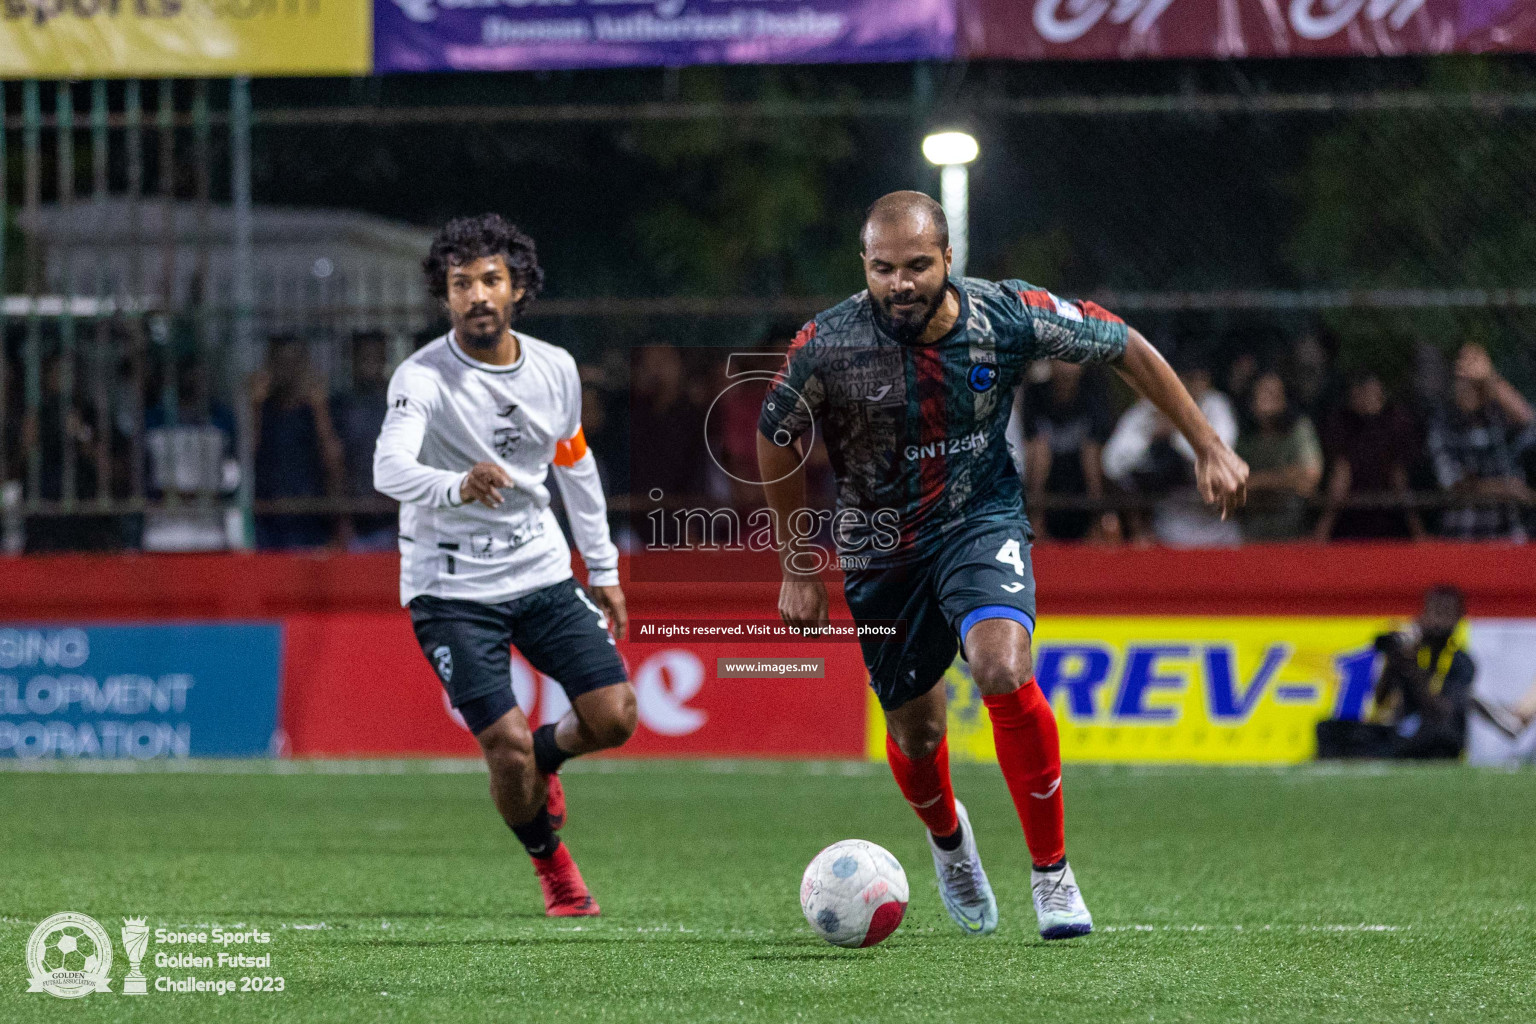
981 572
558 629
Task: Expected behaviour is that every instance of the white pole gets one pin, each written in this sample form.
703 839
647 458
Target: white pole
955 193
244 341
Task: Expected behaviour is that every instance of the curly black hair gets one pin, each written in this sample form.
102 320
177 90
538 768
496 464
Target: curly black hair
466 239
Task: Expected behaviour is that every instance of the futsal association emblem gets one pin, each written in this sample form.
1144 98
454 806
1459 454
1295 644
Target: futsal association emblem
443 659
982 377
69 955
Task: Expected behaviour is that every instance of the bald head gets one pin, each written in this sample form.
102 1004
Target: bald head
912 214
906 263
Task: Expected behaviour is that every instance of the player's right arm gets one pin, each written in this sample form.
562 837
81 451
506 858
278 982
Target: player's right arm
788 412
414 398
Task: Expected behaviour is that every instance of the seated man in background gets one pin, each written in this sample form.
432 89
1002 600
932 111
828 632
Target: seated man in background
1419 705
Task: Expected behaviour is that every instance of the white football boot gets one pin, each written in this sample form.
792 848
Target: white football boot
963 885
1059 904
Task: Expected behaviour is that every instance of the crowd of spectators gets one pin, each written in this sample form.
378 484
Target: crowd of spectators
1332 456
1329 459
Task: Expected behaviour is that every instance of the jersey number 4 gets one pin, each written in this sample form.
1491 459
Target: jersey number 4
1010 554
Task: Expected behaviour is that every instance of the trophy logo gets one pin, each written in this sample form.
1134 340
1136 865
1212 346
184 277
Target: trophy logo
135 940
69 955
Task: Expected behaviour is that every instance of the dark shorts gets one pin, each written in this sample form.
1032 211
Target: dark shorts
982 572
558 629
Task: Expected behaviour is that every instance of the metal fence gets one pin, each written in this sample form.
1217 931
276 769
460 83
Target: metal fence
143 280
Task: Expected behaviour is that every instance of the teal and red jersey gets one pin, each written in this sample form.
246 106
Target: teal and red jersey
917 433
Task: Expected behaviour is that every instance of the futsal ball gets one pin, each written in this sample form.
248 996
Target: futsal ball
854 893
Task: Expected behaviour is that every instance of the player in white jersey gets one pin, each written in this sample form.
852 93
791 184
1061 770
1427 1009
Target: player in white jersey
478 421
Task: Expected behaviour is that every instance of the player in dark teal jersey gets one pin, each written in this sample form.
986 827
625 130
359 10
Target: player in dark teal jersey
911 384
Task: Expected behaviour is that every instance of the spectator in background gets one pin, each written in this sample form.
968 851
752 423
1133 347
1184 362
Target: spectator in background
1146 455
190 447
1473 445
1241 372
667 426
1284 459
1420 701
1066 422
62 433
605 417
297 452
358 416
1371 446
1310 372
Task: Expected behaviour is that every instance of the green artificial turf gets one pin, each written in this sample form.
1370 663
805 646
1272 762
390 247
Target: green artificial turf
1364 894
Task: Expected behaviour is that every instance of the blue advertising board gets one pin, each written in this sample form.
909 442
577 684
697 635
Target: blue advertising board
139 692
519 35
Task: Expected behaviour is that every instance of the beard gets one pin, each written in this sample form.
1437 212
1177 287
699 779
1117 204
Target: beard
907 325
477 331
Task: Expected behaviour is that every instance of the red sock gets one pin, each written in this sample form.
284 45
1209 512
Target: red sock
1029 752
926 786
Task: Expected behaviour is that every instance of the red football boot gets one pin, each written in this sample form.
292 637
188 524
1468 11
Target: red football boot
565 894
556 802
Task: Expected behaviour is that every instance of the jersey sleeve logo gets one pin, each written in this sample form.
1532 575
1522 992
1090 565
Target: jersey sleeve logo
1067 309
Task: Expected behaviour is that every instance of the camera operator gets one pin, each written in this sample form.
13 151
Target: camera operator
1419 705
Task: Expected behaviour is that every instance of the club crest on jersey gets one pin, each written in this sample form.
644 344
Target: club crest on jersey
505 439
442 657
982 377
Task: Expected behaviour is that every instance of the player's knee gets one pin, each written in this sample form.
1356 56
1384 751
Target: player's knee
508 752
919 741
619 719
998 672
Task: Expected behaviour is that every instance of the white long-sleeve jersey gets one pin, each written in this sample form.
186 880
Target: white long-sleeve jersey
448 411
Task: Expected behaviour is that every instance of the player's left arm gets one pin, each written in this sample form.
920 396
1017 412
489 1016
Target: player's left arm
581 489
1083 332
1221 476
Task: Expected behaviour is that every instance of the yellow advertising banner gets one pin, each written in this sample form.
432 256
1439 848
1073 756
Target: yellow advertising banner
170 38
1214 690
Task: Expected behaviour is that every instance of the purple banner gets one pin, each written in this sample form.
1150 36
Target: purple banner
518 35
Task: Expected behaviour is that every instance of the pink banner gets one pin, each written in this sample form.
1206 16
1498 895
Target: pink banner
1130 29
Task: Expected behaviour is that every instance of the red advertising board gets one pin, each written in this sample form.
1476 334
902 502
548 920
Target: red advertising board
355 683
1129 29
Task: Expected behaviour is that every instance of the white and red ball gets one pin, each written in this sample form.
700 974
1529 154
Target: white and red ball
854 893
